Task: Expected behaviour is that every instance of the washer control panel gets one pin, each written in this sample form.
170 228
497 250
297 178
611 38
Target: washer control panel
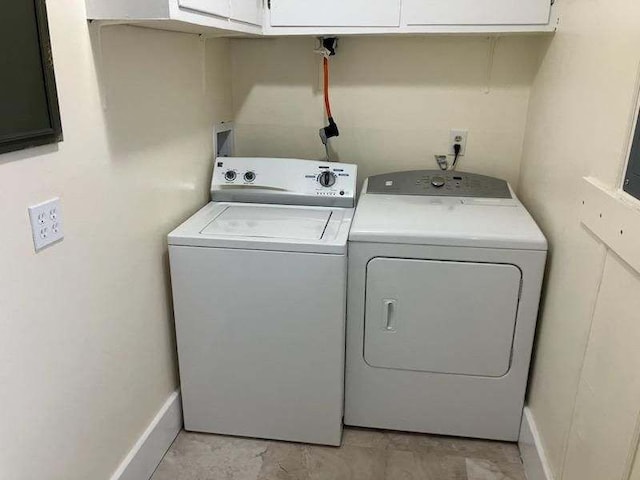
284 180
439 183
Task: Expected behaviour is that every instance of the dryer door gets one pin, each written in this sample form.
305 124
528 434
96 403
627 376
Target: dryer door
441 316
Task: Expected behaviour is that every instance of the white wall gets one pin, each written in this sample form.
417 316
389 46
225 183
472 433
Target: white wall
584 394
86 335
394 98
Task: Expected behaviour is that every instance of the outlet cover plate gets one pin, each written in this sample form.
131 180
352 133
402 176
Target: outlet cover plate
46 223
458 136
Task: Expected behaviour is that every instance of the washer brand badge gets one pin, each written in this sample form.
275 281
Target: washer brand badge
220 164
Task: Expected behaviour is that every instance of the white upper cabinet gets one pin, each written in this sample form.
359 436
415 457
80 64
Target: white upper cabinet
330 17
335 13
214 7
475 12
247 11
209 17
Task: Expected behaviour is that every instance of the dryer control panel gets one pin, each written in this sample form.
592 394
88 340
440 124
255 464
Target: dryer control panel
439 183
284 181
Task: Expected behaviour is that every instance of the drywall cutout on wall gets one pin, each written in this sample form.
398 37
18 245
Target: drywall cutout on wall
224 139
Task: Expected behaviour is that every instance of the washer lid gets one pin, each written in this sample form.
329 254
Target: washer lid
274 222
252 226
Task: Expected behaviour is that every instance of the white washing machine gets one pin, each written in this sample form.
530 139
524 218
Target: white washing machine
445 271
259 290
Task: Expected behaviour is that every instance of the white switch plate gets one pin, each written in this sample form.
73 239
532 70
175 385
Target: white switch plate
46 223
458 136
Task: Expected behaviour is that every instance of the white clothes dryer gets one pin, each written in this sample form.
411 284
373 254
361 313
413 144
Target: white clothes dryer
445 271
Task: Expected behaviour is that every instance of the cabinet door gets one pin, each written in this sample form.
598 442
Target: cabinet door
335 13
476 12
213 7
247 11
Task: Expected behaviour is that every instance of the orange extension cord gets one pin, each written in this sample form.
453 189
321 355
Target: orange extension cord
327 104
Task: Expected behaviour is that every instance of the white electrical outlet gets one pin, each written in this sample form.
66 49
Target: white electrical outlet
46 223
458 136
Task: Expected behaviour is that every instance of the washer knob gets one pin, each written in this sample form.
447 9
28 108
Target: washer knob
327 179
438 182
230 175
249 176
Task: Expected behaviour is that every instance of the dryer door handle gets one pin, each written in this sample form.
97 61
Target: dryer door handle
388 314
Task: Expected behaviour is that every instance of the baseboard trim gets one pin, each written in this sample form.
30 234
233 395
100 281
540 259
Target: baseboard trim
534 458
146 454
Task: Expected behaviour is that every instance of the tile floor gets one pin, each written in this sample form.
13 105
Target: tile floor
364 455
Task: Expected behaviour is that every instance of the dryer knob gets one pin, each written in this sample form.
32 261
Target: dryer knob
438 182
327 179
230 175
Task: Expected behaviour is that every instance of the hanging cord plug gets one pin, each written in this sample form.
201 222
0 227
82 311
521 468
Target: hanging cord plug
329 131
441 160
327 49
456 150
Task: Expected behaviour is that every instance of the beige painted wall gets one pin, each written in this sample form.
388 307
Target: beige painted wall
395 100
584 394
86 336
